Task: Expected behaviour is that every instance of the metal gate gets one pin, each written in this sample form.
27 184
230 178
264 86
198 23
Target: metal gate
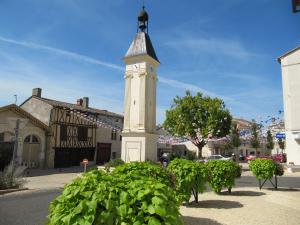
6 153
67 157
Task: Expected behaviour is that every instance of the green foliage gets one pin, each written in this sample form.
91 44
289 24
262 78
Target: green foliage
113 163
10 178
136 170
235 136
281 144
270 143
221 173
99 198
190 178
279 171
190 155
262 168
196 117
238 170
255 140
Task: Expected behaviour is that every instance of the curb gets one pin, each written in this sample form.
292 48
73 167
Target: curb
2 192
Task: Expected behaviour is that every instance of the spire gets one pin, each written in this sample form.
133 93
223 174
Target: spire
141 44
143 20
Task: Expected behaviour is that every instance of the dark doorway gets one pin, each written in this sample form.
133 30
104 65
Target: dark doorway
6 153
66 157
103 153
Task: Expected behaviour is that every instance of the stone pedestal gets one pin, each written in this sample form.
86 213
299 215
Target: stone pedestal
139 146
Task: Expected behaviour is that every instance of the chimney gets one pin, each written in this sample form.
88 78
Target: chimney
37 92
85 102
79 102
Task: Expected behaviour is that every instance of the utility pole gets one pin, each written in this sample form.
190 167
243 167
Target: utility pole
16 142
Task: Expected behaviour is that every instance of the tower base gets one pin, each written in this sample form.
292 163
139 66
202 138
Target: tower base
139 147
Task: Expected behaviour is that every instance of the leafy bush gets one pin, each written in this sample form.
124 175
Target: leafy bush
113 163
279 171
238 170
262 168
221 173
190 155
99 198
10 178
135 170
190 177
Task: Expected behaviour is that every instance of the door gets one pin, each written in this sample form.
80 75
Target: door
6 153
103 153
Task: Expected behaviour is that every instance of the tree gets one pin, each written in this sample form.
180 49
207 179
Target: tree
255 140
281 144
270 143
235 135
197 117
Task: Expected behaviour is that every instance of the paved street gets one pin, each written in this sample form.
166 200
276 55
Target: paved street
26 208
247 201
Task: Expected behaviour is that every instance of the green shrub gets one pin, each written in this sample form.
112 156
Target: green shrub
135 170
190 155
190 177
279 171
221 173
262 168
99 198
10 178
113 163
238 170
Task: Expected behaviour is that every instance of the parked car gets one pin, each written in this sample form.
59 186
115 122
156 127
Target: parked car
264 157
250 157
217 157
279 158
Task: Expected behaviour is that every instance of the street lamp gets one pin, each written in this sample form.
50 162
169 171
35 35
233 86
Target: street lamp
296 6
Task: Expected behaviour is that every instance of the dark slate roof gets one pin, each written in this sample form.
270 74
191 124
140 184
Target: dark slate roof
141 45
79 108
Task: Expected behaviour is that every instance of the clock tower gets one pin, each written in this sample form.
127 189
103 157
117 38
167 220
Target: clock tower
139 138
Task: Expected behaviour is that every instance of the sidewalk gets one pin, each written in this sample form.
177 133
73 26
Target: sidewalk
39 179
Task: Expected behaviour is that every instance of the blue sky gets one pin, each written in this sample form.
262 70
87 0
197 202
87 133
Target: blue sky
74 48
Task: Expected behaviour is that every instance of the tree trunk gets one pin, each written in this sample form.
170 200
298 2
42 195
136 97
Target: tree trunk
199 152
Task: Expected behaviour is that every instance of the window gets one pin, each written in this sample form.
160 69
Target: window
31 139
34 139
27 139
113 135
82 133
63 132
1 137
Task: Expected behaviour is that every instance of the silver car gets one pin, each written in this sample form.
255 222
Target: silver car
217 157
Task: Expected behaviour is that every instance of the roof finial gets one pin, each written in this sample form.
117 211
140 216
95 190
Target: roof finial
143 19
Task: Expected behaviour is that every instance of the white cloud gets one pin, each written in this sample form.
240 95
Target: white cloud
62 52
190 87
212 46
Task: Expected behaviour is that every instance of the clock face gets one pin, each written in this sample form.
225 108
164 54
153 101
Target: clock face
135 66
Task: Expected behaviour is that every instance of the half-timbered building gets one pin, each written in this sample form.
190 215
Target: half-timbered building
77 131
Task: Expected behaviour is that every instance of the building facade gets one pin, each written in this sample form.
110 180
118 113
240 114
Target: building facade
76 131
290 66
31 143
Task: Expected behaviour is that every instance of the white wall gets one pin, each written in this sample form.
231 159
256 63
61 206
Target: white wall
290 65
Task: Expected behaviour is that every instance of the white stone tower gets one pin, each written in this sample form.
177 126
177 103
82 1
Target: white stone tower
139 138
